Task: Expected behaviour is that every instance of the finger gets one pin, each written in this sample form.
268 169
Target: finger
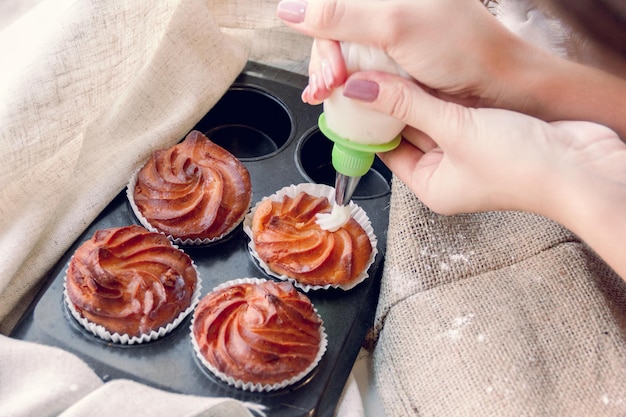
311 93
330 65
402 160
327 70
308 96
337 19
419 139
413 166
405 100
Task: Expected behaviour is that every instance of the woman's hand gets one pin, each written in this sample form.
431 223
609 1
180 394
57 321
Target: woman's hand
461 159
458 159
455 47
458 51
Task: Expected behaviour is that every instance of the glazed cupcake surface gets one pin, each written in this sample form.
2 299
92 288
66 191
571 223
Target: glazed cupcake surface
130 281
288 239
256 334
193 190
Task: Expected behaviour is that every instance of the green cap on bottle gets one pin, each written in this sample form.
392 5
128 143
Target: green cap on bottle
352 158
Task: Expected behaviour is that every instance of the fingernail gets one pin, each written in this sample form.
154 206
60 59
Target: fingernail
314 84
305 94
327 74
291 10
364 90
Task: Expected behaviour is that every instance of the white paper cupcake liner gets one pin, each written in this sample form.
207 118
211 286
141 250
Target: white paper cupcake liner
130 192
317 190
125 339
250 386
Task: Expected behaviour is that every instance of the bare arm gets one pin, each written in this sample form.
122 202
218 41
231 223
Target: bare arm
553 88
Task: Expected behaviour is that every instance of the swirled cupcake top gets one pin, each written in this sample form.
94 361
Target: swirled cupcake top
193 190
130 280
288 238
262 333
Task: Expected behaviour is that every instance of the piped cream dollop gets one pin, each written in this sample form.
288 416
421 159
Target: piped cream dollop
334 220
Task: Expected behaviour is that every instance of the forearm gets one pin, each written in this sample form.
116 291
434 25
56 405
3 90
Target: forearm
552 88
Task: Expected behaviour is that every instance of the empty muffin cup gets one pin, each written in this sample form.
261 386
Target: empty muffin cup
313 158
249 122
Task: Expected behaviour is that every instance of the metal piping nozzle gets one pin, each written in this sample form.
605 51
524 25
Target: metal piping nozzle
344 188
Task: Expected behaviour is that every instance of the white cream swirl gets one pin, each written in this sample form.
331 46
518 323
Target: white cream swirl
335 220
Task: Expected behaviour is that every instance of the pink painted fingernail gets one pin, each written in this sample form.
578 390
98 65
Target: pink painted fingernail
327 74
292 11
305 94
364 90
314 84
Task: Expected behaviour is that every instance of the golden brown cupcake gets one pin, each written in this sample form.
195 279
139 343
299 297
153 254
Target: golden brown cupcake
130 281
258 335
287 238
195 191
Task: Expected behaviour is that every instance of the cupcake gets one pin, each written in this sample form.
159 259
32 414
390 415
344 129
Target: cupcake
195 192
129 285
258 335
289 243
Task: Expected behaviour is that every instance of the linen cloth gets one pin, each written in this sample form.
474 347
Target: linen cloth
37 380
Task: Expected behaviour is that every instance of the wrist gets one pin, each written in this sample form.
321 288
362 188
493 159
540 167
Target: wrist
517 67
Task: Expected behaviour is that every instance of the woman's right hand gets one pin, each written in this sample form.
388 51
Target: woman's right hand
458 160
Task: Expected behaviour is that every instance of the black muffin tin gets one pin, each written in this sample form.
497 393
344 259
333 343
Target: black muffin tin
263 122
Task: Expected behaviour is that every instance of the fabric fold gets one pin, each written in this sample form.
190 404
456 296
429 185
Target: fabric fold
510 314
39 380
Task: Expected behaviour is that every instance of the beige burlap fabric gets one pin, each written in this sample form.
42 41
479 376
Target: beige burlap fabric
496 314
